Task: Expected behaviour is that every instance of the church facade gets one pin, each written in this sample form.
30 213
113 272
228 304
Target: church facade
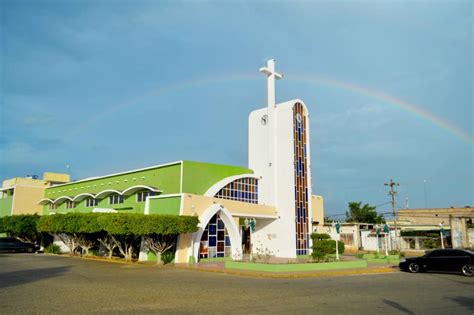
268 207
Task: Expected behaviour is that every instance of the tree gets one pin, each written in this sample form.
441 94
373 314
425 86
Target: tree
125 231
118 230
163 230
363 214
22 227
74 229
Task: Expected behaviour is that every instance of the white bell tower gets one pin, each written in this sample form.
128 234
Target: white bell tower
279 152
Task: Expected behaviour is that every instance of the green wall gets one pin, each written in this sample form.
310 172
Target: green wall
166 178
166 205
6 206
199 177
129 205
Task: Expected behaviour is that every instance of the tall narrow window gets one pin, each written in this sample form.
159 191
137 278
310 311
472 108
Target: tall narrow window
70 204
115 199
141 196
301 179
91 202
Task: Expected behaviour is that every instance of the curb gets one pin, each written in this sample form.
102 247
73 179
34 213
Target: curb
269 275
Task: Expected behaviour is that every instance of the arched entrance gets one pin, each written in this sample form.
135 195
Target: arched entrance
219 232
215 240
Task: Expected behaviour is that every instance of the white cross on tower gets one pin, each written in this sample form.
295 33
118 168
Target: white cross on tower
269 71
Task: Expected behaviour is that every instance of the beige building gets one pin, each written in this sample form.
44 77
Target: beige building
20 195
458 220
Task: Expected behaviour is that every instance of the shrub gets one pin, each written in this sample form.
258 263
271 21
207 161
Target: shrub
167 257
23 227
396 252
52 249
324 246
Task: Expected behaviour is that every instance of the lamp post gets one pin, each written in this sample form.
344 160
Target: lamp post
386 230
336 230
377 232
441 234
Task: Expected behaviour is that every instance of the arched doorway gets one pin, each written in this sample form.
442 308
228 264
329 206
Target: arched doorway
215 241
218 217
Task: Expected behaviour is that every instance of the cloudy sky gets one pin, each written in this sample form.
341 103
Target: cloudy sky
106 86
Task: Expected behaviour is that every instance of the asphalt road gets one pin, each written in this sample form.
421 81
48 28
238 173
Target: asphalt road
36 283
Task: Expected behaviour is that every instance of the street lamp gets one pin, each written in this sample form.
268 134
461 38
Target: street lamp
441 234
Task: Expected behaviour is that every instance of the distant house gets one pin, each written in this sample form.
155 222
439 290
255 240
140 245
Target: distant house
458 221
20 195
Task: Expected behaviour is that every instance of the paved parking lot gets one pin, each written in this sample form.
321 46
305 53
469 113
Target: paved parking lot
51 284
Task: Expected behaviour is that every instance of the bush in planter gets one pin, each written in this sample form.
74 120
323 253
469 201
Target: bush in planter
323 246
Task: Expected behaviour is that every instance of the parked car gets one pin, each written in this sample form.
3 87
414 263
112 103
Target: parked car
11 244
444 260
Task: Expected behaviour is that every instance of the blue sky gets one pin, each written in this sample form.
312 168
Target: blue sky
106 86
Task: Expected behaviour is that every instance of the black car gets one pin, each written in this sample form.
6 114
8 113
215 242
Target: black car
11 244
444 260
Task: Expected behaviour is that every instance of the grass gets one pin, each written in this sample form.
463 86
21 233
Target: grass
296 267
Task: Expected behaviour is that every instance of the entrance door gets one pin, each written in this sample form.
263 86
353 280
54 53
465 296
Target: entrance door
245 240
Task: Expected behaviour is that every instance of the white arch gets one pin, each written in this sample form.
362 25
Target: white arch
105 193
45 201
82 196
130 190
211 192
232 229
61 199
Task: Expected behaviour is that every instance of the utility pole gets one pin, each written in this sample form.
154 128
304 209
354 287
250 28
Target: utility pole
392 192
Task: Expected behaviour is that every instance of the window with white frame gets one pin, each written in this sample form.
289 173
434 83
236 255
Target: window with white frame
52 206
70 204
141 196
91 202
115 199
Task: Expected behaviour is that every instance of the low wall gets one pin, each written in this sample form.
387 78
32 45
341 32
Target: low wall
296 267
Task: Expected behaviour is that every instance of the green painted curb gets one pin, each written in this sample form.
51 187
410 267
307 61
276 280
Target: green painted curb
296 267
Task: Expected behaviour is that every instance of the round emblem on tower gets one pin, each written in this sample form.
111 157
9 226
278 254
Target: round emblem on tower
299 118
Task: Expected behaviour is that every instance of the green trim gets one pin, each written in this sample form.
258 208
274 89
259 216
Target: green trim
296 267
198 177
165 205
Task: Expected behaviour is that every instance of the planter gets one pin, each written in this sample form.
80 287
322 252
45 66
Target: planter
296 267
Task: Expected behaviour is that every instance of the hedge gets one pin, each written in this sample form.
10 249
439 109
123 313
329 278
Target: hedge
120 231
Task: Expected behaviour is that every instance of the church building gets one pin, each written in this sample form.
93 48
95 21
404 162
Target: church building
268 207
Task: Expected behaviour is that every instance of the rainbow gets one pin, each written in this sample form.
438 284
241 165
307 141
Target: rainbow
313 79
410 107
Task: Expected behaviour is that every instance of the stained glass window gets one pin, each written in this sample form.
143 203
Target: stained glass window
215 241
243 189
301 179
